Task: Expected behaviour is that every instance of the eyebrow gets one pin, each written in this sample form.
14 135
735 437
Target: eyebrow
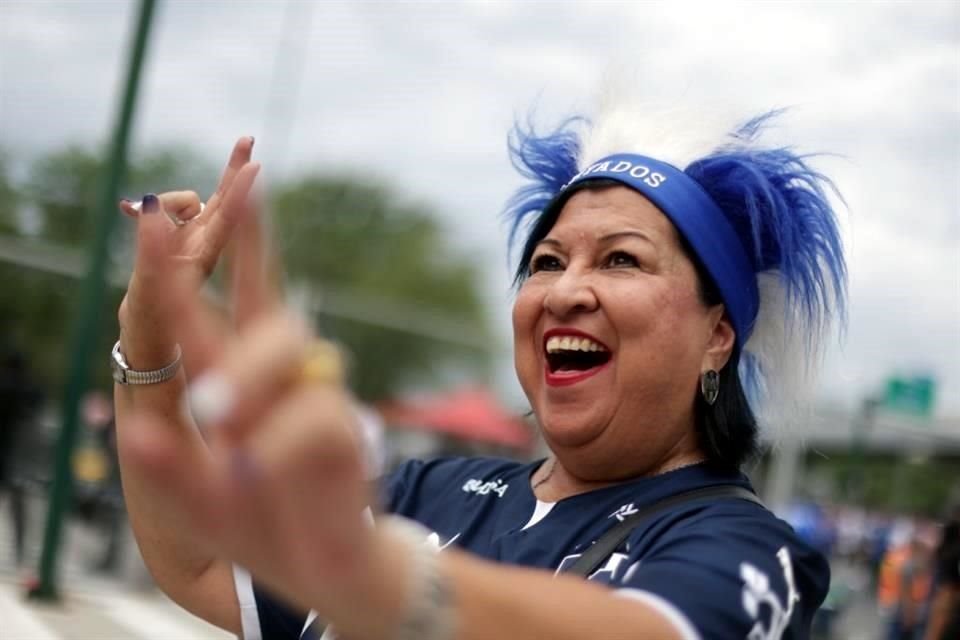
606 239
610 237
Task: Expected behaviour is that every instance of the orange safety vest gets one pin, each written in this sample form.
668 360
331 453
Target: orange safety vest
891 580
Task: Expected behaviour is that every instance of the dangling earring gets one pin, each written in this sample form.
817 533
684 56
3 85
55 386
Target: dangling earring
710 385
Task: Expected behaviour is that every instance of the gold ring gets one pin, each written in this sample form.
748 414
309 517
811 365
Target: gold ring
182 221
322 364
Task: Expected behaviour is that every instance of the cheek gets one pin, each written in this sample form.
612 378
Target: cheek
680 330
524 310
660 325
678 306
639 311
527 310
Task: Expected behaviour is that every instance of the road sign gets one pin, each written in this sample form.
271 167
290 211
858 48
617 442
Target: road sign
910 395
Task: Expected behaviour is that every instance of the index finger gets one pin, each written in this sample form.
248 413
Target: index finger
222 222
254 272
241 154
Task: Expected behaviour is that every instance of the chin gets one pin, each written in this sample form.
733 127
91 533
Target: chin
569 429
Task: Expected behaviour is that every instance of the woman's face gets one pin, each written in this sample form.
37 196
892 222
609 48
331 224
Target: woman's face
610 337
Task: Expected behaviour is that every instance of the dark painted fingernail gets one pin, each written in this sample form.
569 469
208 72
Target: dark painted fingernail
242 466
252 141
151 204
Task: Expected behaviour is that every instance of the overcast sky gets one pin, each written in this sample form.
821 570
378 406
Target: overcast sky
422 95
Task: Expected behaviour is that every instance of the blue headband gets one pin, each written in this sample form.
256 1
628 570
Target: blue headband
699 219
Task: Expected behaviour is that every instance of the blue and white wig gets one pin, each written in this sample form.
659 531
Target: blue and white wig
757 217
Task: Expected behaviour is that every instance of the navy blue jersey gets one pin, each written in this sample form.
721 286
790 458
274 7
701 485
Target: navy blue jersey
728 569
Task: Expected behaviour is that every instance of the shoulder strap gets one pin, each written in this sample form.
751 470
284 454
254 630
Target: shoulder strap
614 537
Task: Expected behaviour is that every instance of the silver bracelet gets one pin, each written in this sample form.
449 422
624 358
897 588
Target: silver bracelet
430 614
123 374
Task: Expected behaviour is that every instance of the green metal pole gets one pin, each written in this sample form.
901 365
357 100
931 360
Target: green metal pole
87 321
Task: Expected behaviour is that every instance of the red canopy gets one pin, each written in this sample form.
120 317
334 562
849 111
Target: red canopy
471 414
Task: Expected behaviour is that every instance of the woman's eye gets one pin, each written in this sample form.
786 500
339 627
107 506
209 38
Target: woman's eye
545 262
621 259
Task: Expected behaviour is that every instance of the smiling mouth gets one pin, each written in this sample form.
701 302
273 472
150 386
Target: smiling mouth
573 354
575 361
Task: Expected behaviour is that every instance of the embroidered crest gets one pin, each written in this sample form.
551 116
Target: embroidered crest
624 511
757 592
482 488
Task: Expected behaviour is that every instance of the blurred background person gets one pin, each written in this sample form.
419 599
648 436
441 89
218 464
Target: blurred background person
97 494
19 399
904 582
944 613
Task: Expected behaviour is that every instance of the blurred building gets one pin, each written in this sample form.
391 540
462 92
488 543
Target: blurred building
876 458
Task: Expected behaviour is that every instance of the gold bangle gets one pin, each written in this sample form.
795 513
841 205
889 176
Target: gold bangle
322 364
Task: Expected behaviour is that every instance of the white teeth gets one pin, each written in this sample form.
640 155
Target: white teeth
572 343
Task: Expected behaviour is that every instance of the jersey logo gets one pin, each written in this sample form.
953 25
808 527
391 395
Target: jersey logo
757 592
607 572
624 511
433 540
482 488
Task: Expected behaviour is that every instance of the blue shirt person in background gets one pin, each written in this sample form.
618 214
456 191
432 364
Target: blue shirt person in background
674 280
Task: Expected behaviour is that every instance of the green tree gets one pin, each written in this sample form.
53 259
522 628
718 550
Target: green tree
355 242
389 258
9 199
63 186
892 481
38 307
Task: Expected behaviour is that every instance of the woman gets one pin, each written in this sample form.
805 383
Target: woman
643 290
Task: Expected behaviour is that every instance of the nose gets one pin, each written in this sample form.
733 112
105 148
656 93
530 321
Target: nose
571 293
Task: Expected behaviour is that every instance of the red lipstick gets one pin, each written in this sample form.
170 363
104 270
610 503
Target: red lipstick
566 377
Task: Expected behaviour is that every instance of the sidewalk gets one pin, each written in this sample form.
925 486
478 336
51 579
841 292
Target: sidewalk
123 605
99 611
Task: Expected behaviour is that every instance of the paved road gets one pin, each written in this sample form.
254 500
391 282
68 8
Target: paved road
858 620
119 606
99 611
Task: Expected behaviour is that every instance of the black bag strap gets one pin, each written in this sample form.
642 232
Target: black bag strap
614 537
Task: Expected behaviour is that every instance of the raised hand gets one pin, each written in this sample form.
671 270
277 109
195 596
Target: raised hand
190 250
282 491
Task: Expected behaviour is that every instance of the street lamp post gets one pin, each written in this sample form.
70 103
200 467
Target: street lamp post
88 317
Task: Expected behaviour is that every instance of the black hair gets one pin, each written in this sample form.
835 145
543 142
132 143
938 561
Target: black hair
727 430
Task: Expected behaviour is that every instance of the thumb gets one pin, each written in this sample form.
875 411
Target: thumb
146 316
153 260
